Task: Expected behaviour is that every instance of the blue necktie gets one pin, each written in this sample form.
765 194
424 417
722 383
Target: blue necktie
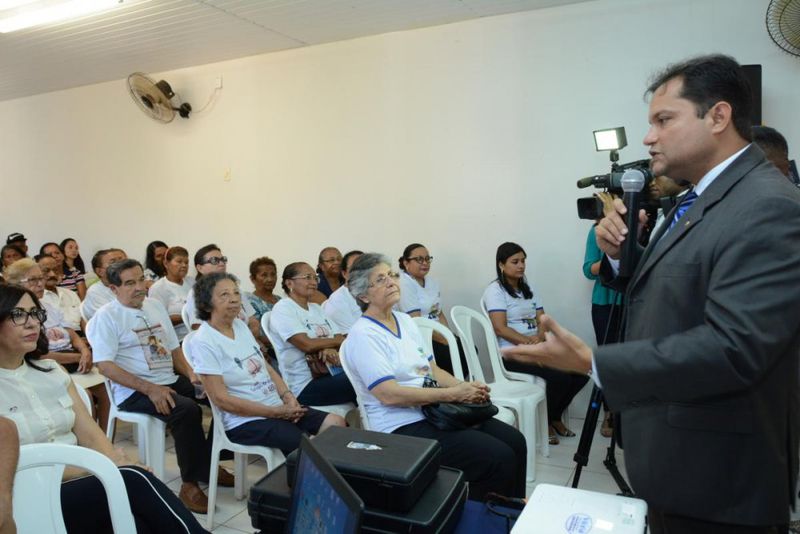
685 204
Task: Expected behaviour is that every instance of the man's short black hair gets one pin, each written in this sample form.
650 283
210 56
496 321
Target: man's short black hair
711 79
770 139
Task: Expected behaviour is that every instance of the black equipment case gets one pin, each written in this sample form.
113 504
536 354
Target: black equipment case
388 471
438 509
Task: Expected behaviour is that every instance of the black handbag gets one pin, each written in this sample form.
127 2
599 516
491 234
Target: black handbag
456 415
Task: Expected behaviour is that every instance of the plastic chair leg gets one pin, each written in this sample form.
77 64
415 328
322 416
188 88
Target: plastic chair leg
212 486
239 474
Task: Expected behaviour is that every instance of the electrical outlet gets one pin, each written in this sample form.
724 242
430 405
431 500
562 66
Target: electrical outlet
219 82
226 175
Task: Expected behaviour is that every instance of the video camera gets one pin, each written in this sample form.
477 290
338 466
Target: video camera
613 140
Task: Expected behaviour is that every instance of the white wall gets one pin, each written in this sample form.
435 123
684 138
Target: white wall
459 136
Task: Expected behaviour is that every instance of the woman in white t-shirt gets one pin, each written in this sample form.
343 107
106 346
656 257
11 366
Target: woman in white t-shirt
173 289
257 406
420 296
307 343
55 413
514 309
341 308
389 365
154 261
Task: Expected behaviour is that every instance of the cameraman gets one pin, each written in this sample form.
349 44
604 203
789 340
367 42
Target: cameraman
707 378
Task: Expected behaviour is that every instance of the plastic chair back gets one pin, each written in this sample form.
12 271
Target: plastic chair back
463 319
37 487
427 327
84 397
187 321
511 375
346 366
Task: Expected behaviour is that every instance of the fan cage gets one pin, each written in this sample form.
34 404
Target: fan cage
783 25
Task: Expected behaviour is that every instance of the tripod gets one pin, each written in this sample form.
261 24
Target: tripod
587 433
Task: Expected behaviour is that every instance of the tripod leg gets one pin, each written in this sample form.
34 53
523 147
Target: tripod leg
587 434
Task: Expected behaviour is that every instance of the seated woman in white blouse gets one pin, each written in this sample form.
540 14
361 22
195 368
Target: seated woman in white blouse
420 296
514 309
389 365
173 289
39 397
305 338
341 308
257 406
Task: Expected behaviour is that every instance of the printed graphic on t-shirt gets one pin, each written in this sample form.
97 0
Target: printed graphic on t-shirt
423 369
433 315
155 353
530 322
320 329
254 364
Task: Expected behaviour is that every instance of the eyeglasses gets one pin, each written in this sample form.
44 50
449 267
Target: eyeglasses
383 279
20 317
33 281
306 277
422 259
216 260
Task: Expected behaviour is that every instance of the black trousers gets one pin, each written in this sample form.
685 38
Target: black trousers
284 435
561 386
192 446
327 390
493 456
441 354
155 508
665 523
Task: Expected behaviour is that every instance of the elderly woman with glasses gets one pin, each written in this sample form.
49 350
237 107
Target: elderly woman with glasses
57 414
389 366
306 342
257 406
207 260
420 296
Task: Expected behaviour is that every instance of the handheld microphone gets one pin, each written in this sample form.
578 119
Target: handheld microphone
633 181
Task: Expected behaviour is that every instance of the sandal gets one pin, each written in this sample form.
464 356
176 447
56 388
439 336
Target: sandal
563 431
606 430
552 439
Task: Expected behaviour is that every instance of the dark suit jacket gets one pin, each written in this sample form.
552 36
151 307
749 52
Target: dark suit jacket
707 379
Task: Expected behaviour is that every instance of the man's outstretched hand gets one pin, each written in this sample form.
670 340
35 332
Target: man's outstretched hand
561 349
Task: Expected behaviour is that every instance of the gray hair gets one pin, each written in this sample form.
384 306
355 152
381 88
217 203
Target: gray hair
114 271
204 292
358 279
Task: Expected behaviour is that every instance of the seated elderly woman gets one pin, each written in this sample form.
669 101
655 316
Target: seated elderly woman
514 309
257 406
64 345
389 365
57 414
172 290
10 253
306 341
328 274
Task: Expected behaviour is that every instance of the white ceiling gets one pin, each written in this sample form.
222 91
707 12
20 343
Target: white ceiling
160 35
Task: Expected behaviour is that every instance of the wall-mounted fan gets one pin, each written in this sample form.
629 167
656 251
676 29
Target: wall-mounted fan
783 24
155 98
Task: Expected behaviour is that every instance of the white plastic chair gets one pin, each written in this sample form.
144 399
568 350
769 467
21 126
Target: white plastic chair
187 321
272 456
524 377
338 409
361 407
151 433
37 487
87 400
521 397
428 327
83 311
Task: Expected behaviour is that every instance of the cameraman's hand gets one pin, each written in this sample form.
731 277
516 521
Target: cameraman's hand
611 232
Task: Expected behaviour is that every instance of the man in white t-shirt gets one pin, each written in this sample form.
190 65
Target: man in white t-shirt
136 348
65 300
100 293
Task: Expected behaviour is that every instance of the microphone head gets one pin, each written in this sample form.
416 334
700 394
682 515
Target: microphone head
633 181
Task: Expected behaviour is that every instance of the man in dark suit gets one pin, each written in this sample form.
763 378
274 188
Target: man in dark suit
707 378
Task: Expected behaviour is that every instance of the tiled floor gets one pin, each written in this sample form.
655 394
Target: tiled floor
231 515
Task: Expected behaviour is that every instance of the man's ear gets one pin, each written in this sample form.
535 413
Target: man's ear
721 116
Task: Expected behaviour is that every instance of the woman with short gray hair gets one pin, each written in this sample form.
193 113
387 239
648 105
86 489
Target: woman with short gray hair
389 367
